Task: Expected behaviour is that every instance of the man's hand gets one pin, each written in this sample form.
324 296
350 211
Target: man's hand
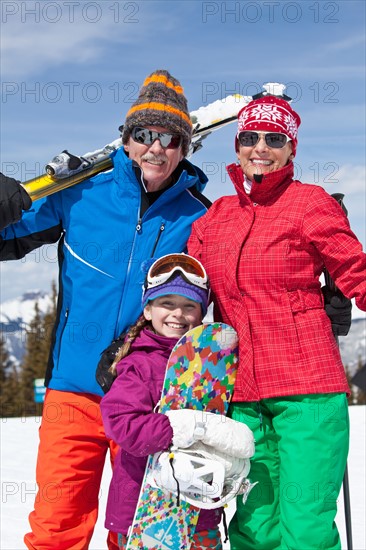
104 377
13 200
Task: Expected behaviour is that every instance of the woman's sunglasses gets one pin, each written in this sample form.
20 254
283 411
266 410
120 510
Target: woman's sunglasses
272 139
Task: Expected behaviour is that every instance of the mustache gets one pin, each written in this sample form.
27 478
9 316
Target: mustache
161 157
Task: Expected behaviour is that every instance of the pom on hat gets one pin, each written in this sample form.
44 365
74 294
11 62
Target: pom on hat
178 285
161 102
146 264
270 114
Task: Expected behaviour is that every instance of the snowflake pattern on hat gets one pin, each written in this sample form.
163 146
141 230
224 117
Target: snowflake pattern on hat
291 124
269 114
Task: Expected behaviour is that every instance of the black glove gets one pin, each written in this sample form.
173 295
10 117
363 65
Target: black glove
338 308
13 200
104 377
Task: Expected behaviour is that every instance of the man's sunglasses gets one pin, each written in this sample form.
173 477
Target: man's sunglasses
272 139
147 137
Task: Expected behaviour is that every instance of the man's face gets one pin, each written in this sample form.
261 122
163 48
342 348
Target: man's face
156 162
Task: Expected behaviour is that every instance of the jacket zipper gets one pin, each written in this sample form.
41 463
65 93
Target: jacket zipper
62 334
161 229
160 232
138 229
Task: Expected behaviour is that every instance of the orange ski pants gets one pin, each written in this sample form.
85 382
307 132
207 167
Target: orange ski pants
71 457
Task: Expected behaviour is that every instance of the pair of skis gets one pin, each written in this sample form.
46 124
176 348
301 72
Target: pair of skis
66 169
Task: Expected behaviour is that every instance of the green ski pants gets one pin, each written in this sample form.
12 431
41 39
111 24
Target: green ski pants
301 452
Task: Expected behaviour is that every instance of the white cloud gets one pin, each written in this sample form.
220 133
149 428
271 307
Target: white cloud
43 40
354 177
32 273
351 177
352 41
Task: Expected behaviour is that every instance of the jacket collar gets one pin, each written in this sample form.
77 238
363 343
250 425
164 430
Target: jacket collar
268 190
149 343
149 340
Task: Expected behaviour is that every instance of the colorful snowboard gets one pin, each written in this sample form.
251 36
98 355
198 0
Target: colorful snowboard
200 375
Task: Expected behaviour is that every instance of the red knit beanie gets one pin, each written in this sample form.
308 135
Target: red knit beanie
269 114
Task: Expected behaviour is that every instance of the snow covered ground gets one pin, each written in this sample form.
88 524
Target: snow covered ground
19 440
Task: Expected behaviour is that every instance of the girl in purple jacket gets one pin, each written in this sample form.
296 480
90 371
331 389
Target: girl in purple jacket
174 301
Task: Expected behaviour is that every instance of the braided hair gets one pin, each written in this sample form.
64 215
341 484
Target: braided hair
131 336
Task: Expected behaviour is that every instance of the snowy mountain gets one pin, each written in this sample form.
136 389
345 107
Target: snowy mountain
15 315
353 346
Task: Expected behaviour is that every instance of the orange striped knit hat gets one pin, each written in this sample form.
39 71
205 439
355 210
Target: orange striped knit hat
161 102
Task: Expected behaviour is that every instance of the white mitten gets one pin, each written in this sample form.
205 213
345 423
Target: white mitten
218 431
228 436
183 423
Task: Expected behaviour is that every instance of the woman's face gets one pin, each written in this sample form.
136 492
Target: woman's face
262 159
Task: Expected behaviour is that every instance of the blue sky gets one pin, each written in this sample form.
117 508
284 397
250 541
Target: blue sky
70 71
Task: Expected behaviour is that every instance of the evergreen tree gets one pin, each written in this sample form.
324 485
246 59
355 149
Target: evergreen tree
9 394
352 397
48 323
33 365
38 343
50 317
360 394
4 360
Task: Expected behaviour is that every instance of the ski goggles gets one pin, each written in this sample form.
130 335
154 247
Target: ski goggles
274 140
147 137
165 267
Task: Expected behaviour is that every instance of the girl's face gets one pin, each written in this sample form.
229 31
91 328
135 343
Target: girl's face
173 315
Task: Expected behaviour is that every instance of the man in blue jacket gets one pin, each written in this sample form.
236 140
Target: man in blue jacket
106 227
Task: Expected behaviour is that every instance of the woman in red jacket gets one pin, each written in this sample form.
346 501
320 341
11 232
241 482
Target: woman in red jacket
264 250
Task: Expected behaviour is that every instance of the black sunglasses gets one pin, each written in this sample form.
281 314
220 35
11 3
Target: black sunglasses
272 139
147 137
